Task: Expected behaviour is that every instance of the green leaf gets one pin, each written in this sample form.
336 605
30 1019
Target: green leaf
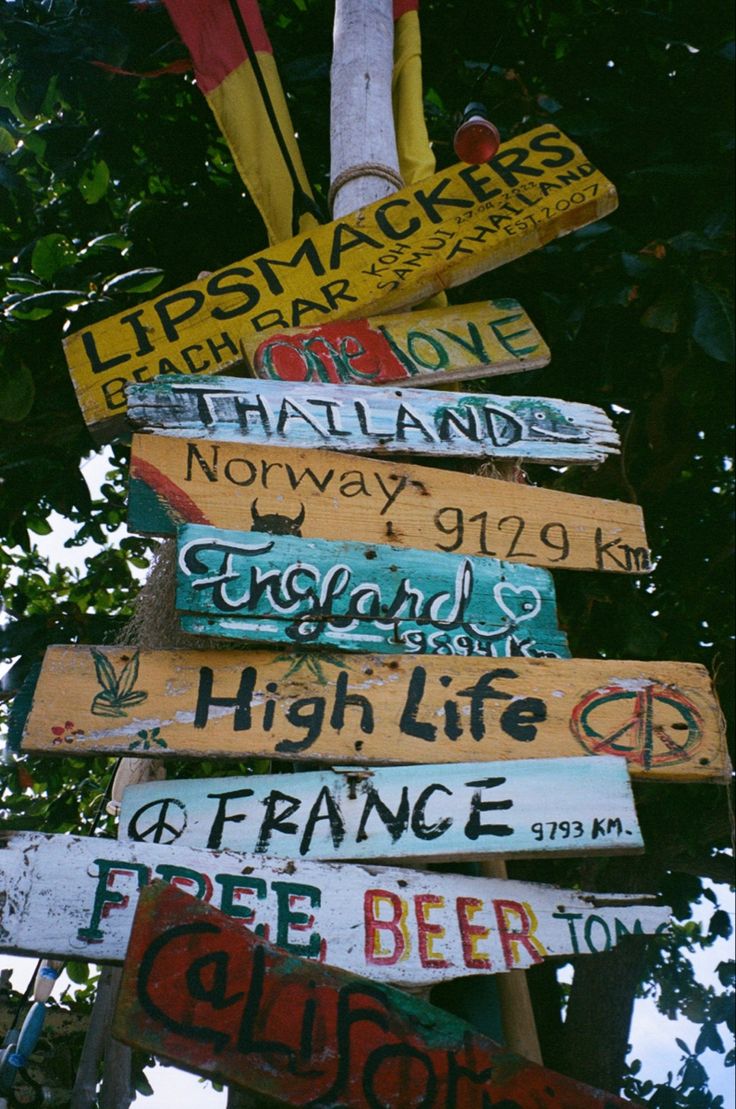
128 675
142 1085
51 254
38 525
112 241
720 924
7 142
107 709
664 314
709 1039
22 283
94 182
105 671
39 305
17 392
638 265
135 698
78 972
713 323
726 972
548 103
135 281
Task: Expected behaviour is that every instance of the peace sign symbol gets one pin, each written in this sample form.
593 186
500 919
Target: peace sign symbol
653 725
159 829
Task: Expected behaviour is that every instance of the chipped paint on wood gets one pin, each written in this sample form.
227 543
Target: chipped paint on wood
311 592
326 495
305 1034
381 709
429 346
74 897
379 421
539 807
451 227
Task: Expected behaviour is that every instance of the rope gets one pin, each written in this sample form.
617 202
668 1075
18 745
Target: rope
365 169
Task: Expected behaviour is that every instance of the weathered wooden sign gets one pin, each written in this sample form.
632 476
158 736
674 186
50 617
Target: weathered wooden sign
661 717
541 807
278 588
382 421
453 226
75 897
218 999
426 347
326 495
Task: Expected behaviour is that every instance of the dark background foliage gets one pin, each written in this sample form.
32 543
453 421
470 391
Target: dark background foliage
111 186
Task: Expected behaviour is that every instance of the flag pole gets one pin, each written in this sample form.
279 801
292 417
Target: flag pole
364 159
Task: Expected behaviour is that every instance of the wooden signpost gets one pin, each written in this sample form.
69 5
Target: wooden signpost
278 588
661 717
382 421
542 807
326 495
74 897
426 347
449 228
218 999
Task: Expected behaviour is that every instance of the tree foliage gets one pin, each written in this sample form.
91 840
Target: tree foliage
113 185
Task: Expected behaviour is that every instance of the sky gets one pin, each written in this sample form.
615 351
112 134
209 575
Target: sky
652 1034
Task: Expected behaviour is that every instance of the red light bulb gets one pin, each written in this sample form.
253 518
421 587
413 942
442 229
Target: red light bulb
476 139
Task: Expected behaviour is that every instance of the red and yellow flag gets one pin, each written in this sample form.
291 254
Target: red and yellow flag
416 159
235 69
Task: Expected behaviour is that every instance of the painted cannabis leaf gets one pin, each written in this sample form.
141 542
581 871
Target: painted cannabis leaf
314 662
117 695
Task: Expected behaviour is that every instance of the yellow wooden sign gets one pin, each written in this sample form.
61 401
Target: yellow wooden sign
662 717
428 346
326 495
442 232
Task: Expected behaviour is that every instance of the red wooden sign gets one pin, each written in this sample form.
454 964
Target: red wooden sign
215 998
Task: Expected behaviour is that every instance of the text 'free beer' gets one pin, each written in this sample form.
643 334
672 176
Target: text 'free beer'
219 1000
74 897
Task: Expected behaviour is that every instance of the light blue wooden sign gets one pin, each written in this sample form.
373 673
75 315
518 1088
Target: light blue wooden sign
542 807
282 588
378 420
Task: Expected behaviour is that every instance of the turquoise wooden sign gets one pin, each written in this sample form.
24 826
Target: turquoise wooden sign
381 420
537 807
283 588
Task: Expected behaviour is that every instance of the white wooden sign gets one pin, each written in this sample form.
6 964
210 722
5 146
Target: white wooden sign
461 810
381 420
74 898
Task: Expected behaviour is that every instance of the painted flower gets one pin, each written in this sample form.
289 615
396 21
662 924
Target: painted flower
146 740
65 733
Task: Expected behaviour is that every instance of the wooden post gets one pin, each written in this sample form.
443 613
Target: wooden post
116 1091
116 1087
365 162
517 1014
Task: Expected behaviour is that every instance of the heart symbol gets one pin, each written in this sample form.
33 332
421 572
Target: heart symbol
525 600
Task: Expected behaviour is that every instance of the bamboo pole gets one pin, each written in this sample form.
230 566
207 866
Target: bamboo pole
364 159
361 133
517 1015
